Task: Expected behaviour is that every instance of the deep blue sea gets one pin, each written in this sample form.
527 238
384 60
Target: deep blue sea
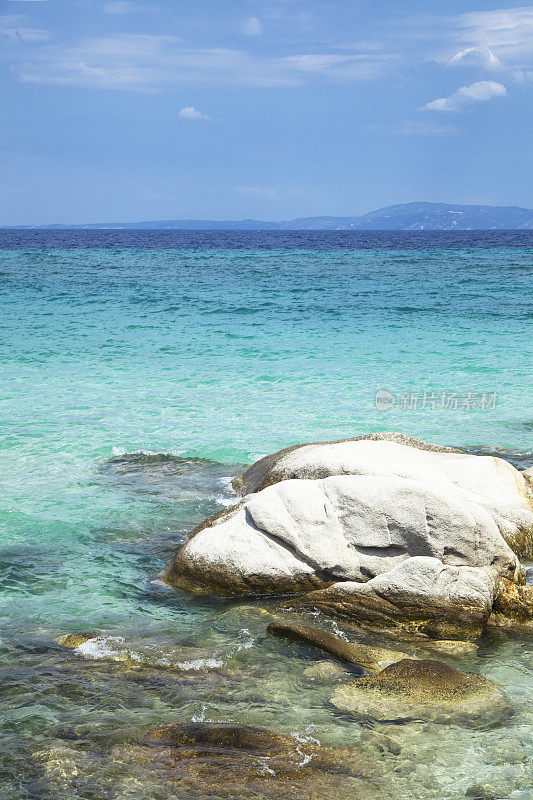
140 370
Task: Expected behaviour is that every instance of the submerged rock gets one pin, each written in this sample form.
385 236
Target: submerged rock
423 689
326 671
140 654
382 529
210 759
374 658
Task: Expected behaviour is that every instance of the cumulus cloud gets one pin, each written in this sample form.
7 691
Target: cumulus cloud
477 92
190 112
251 27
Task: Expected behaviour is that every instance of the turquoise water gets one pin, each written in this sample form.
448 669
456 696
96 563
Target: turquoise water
215 357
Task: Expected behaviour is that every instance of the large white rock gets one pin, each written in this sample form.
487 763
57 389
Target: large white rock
409 531
488 481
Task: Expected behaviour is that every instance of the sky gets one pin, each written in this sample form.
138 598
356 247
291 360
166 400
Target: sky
128 110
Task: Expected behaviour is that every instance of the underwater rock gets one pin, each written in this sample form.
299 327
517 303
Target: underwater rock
373 658
325 671
426 690
379 512
381 742
141 654
209 759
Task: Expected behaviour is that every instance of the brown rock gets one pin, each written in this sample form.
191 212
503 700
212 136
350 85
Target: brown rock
373 658
428 690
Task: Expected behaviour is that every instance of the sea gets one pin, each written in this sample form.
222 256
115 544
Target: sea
140 371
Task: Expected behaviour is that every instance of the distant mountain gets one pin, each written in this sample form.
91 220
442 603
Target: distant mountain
405 217
444 217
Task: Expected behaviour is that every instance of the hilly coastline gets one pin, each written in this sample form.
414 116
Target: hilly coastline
403 217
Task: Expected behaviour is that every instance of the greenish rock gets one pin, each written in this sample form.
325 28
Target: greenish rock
425 690
325 672
373 658
230 760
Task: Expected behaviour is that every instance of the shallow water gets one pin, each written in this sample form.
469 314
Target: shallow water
135 382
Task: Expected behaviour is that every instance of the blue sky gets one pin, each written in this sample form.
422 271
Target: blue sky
126 110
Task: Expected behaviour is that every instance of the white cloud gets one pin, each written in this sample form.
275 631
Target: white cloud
477 92
502 38
119 7
146 62
480 55
190 112
251 27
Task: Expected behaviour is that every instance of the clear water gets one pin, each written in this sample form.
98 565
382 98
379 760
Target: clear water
214 350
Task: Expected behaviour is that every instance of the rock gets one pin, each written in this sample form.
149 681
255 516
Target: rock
374 658
325 671
513 607
317 460
142 653
413 532
382 743
489 791
420 595
231 760
491 482
423 689
74 640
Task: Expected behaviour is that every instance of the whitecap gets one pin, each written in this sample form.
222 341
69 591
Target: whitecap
200 663
98 647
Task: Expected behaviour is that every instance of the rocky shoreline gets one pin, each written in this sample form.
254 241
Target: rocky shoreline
385 531
417 550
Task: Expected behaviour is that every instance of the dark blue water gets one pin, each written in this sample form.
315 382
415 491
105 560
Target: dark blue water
231 240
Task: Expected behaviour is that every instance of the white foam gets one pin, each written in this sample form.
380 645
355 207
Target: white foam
200 663
256 456
227 502
200 717
121 451
98 647
305 738
338 631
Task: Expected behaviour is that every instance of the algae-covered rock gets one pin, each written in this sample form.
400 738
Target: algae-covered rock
513 607
373 658
426 690
142 653
325 672
73 640
208 759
